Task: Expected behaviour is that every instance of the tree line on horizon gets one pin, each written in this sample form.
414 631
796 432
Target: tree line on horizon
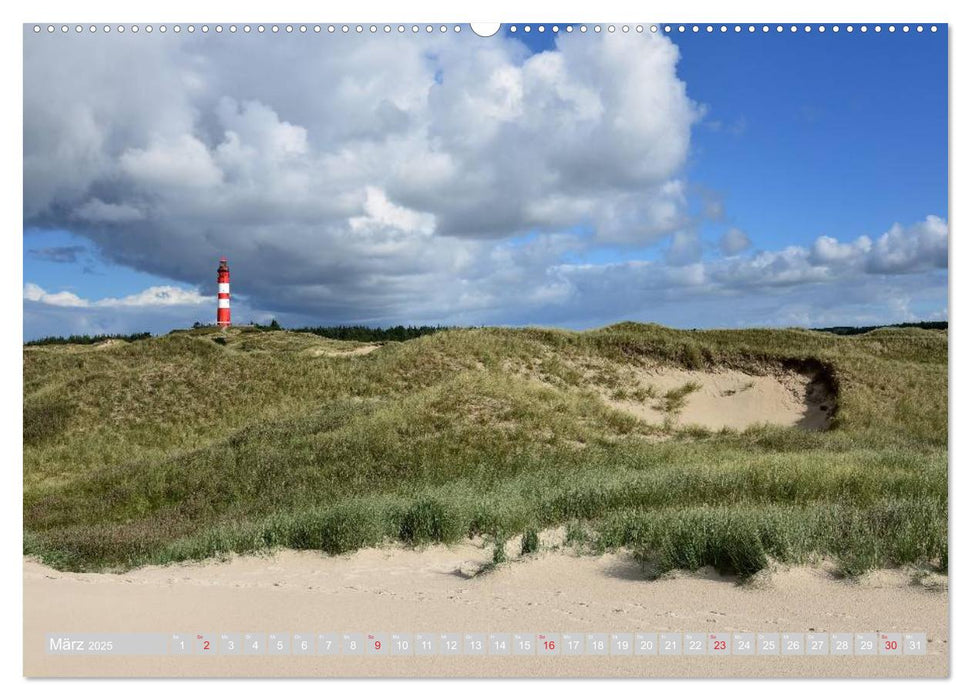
858 330
366 334
88 339
400 333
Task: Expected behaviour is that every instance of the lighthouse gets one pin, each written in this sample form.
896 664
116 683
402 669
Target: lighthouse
222 308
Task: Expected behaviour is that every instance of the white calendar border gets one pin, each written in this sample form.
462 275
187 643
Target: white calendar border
451 11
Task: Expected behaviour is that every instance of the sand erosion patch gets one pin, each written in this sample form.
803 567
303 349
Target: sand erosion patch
724 398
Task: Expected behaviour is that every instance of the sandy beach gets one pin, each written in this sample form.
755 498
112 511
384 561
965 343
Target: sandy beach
395 590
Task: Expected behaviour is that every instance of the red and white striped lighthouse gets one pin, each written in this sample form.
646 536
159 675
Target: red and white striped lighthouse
222 310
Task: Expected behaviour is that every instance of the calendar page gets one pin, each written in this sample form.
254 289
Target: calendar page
451 350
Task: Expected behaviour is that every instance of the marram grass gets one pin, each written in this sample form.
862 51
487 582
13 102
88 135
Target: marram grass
178 448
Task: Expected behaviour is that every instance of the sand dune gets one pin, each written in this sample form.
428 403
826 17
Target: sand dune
360 350
730 399
403 590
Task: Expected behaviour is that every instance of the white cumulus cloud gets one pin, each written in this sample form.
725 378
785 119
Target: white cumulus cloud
162 295
377 176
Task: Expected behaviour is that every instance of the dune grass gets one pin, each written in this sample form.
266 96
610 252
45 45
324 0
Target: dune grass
180 447
675 399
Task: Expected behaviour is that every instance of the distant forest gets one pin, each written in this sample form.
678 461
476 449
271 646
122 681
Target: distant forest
366 334
857 330
87 339
363 334
371 335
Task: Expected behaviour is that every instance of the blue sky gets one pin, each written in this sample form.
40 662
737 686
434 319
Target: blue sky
793 142
840 133
804 135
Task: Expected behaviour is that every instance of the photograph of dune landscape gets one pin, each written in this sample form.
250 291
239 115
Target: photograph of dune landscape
513 351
